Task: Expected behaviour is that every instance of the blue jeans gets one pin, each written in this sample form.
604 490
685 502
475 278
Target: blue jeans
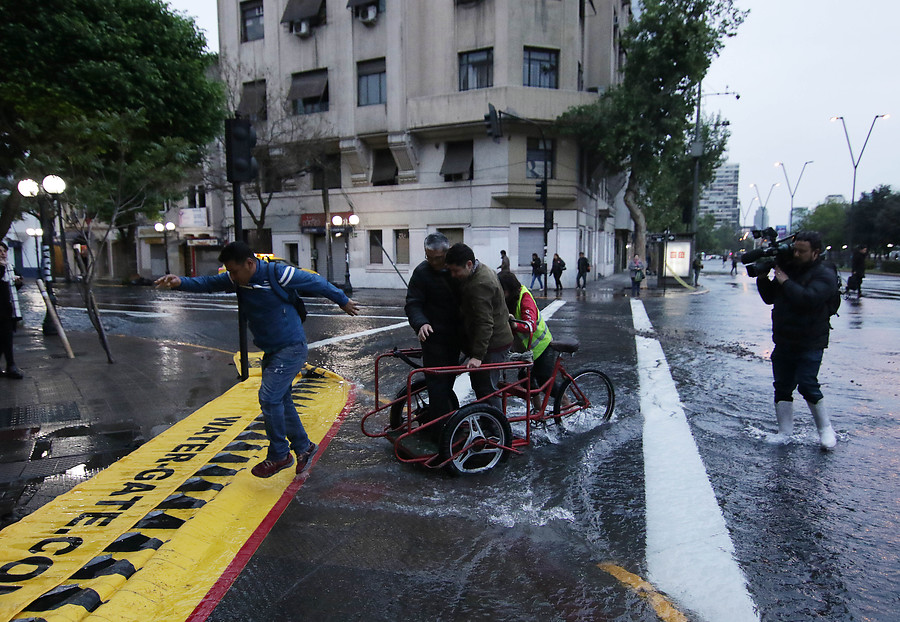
283 426
581 280
539 280
794 368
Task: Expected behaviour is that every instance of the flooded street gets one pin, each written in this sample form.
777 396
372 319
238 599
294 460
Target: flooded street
815 534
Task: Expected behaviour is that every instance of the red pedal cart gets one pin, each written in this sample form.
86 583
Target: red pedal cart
477 436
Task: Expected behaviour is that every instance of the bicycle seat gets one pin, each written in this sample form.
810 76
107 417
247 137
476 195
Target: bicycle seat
565 345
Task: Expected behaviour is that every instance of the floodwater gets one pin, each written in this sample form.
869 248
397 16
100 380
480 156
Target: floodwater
815 533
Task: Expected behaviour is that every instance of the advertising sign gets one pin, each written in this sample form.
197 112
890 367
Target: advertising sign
678 258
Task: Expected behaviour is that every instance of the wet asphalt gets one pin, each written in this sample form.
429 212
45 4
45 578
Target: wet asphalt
367 537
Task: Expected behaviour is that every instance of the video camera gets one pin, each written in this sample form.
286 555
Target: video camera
775 253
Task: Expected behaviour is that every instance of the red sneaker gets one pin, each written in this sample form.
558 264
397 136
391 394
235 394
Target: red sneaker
303 459
268 468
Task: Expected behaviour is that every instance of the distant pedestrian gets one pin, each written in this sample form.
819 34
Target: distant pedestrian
734 261
583 267
504 262
537 271
556 269
696 267
10 315
858 270
278 331
636 268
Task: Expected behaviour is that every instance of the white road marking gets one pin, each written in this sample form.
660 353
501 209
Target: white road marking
371 331
690 555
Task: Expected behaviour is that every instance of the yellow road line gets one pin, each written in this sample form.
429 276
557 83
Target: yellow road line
665 610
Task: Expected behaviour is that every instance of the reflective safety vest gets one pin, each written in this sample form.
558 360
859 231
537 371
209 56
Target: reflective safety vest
541 337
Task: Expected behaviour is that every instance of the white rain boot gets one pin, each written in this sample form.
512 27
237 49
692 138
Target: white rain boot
827 437
784 413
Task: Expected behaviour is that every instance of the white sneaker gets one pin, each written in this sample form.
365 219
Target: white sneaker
827 438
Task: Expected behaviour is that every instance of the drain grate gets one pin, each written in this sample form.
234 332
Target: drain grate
36 414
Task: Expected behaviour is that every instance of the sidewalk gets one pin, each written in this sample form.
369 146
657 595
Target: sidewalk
70 418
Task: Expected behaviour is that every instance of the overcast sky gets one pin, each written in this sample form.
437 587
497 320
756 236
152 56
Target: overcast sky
795 64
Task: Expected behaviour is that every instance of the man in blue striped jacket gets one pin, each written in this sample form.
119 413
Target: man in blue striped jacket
278 332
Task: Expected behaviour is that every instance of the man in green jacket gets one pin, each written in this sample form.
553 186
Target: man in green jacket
488 337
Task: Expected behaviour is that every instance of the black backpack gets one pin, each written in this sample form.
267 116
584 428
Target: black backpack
834 301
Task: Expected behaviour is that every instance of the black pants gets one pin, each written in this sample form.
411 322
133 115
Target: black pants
440 386
7 326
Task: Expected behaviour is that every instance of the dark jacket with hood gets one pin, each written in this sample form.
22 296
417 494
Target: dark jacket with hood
800 315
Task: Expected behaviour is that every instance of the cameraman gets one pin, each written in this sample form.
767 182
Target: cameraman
800 327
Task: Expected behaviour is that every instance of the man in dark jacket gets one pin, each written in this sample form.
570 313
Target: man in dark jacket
800 328
858 269
278 332
485 317
10 282
433 313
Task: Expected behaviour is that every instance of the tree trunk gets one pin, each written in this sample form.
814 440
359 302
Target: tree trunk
637 215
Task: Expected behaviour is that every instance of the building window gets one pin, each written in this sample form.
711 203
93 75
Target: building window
309 92
458 161
302 16
252 20
540 154
541 68
329 175
476 69
371 82
253 101
375 254
401 245
361 8
453 234
196 196
530 241
384 168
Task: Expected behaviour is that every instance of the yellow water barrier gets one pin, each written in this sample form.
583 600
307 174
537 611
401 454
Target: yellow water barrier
162 533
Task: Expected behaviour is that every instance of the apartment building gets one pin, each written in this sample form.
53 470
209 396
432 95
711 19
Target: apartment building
390 97
721 197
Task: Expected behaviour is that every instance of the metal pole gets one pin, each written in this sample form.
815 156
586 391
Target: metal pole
242 319
47 327
62 236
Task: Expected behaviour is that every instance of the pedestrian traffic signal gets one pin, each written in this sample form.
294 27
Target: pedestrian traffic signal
240 139
541 192
492 123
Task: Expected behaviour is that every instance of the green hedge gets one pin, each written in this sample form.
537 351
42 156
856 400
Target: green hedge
890 265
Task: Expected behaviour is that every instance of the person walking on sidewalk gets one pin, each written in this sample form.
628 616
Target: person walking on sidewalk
10 315
537 271
278 331
799 296
696 267
858 270
636 268
433 312
504 262
556 270
485 318
583 267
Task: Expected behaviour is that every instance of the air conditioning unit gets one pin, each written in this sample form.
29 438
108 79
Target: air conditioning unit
302 29
369 16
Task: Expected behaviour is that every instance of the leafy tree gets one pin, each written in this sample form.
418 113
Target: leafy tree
645 123
830 220
131 66
875 218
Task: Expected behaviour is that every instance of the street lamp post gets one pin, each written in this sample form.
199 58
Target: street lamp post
793 190
52 186
164 229
855 163
352 221
762 204
36 233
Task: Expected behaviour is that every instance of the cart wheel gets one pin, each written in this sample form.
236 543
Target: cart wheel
419 404
589 399
472 434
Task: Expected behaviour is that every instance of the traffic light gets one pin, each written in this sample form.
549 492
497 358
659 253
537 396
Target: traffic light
492 123
548 220
240 139
541 192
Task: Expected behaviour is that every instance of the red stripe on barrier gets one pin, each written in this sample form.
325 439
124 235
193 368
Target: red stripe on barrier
234 569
